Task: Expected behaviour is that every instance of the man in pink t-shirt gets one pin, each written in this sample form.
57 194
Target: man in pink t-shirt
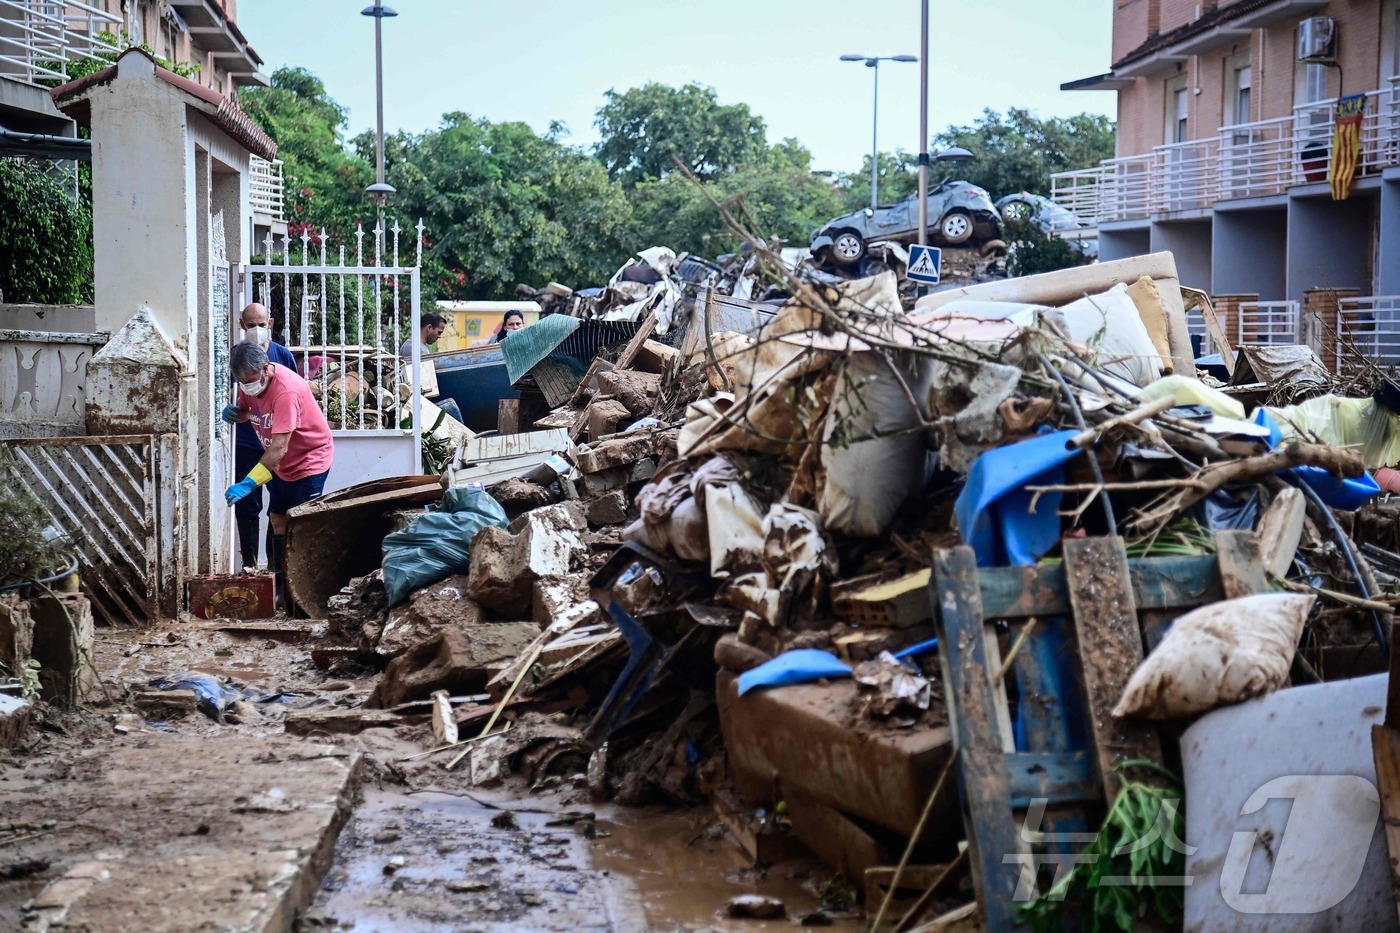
297 447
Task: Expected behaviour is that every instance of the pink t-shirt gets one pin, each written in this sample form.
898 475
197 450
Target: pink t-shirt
287 406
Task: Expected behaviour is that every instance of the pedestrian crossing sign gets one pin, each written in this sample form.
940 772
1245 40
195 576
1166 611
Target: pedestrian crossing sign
925 264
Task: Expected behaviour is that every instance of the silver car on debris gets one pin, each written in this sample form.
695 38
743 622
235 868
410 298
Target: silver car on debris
959 212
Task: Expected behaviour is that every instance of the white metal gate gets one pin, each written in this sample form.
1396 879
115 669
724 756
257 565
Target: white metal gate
344 322
102 493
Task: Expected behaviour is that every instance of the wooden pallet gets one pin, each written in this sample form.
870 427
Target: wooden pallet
1094 609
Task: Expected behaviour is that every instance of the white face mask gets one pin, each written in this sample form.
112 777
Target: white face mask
260 334
253 388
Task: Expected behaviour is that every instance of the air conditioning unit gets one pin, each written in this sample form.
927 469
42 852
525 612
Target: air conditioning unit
1317 40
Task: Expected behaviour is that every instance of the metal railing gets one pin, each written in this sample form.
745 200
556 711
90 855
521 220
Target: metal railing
1256 159
1265 322
1079 191
40 38
1245 160
1368 328
265 189
1184 175
1127 191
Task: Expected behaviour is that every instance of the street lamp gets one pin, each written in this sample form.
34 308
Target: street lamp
873 62
379 191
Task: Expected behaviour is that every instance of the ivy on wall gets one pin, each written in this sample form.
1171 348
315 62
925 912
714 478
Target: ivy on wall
45 238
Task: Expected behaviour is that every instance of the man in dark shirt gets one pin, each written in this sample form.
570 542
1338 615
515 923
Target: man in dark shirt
248 450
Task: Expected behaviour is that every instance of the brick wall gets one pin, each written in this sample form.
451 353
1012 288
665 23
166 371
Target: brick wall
1320 321
1227 312
1272 52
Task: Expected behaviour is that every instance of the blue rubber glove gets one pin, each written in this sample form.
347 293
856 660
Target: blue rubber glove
240 489
231 413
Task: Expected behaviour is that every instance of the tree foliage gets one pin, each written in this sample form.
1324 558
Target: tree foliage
503 205
644 127
780 198
45 238
898 178
1033 250
1020 151
324 181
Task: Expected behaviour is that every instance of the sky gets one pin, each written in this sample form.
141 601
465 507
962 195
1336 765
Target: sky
539 62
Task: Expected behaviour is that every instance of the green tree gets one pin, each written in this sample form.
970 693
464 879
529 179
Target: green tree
503 204
1020 151
45 238
781 197
644 127
898 178
1032 250
324 181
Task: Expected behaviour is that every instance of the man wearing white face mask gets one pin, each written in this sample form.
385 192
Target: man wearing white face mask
256 324
295 436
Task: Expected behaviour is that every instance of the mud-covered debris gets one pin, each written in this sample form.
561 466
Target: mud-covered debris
755 907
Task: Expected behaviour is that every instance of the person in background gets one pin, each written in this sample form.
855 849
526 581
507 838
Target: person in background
430 330
297 445
514 320
248 450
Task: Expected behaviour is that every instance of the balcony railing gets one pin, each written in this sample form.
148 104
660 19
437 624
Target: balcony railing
1368 332
265 187
40 38
1266 322
1245 160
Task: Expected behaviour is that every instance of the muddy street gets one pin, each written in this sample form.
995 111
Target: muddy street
170 820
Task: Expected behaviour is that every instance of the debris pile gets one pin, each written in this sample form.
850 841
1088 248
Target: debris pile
734 498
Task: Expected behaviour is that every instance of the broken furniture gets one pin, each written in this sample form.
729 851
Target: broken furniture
1068 755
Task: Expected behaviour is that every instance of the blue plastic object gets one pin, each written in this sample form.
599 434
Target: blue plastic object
913 651
993 509
1345 494
799 666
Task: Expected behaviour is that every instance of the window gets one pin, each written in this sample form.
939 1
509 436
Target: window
1390 41
1312 83
1239 82
1177 110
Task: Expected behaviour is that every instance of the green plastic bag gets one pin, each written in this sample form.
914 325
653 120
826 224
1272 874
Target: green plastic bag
438 544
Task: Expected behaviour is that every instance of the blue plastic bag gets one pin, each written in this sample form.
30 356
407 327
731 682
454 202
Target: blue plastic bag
799 666
438 544
993 509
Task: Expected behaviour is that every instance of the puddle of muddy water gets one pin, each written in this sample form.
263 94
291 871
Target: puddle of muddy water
675 876
462 869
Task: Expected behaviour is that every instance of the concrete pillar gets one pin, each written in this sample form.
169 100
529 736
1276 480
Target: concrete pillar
1189 242
1249 252
1329 244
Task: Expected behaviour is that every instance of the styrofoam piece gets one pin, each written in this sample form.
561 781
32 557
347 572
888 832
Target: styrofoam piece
1282 807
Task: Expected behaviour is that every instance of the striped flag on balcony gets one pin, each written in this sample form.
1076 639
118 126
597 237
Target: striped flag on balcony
1346 145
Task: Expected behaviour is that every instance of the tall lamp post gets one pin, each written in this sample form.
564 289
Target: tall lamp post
873 62
380 190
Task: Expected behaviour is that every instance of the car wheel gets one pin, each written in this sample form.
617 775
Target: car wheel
847 248
1016 210
955 227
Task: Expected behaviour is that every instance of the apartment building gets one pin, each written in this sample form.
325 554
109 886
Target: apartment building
41 40
1226 115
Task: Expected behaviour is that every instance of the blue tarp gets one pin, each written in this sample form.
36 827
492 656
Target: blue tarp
799 666
993 509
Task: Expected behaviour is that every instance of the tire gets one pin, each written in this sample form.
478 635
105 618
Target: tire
1016 210
955 227
847 248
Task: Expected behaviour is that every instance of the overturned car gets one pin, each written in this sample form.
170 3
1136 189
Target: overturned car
959 212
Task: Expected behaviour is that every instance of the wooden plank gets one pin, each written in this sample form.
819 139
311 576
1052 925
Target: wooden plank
1110 640
1392 693
983 777
634 346
1062 777
1241 570
1385 746
1158 583
590 379
998 687
508 416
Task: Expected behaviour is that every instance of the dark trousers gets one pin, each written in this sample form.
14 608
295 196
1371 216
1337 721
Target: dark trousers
247 512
